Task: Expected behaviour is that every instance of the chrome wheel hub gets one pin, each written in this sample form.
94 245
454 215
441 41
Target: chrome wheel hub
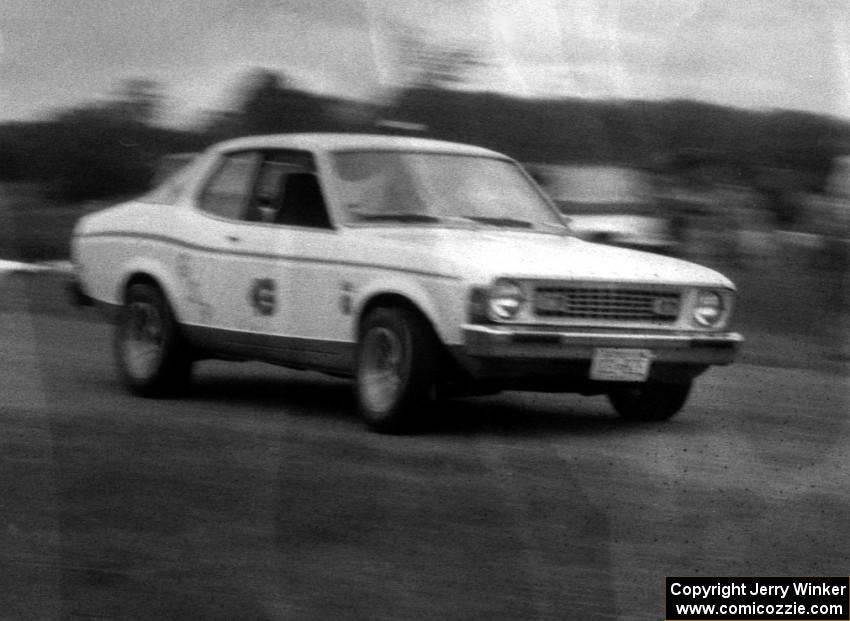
143 339
382 369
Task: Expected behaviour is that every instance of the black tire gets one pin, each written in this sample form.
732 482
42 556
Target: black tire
152 358
396 369
650 401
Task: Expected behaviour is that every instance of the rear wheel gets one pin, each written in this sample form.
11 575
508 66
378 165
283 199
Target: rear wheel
650 401
152 358
396 357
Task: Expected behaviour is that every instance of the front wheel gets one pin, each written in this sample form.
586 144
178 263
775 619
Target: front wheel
396 356
650 401
152 358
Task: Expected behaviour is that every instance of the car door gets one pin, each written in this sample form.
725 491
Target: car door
269 273
220 241
311 275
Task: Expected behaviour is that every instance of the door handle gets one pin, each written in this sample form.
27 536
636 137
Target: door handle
232 238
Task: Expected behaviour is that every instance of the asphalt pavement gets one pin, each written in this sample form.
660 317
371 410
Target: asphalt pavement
259 495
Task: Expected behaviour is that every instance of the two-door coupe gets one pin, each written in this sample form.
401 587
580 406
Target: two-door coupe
419 268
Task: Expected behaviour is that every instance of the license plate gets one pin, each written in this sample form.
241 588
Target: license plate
612 364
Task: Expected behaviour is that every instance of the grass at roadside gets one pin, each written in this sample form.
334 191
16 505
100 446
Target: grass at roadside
44 233
40 227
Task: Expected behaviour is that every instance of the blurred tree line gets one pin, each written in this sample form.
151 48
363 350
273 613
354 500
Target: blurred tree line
655 135
113 147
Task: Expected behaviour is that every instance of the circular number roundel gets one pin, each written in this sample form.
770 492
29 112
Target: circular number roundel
262 296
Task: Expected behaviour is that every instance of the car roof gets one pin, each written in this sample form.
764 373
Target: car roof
352 142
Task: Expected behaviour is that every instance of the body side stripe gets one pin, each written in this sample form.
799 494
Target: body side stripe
259 255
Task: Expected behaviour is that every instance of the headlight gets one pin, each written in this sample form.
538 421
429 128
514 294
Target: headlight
506 299
709 309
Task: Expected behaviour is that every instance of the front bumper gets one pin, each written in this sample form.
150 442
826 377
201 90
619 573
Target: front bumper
524 343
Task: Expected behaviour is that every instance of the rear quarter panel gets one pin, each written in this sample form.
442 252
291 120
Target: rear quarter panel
109 247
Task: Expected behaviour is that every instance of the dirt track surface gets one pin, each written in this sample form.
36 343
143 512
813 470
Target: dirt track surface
260 496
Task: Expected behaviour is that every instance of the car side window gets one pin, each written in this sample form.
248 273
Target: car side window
302 202
267 197
228 192
287 192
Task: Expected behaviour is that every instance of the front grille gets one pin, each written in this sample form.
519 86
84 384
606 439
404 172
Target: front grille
607 303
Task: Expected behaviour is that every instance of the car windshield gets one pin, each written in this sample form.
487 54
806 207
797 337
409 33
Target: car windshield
439 188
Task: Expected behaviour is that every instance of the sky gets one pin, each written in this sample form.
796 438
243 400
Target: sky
760 54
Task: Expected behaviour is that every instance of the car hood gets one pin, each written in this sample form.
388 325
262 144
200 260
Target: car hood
484 255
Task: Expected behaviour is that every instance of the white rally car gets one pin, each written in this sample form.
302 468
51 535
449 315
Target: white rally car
418 268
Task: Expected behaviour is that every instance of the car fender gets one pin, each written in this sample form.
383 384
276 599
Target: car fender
155 269
422 297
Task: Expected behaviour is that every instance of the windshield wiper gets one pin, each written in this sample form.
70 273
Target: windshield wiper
397 217
520 224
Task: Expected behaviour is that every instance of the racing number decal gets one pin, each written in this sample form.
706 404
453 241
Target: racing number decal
262 296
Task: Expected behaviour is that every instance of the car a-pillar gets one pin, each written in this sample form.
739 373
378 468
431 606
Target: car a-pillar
396 364
151 354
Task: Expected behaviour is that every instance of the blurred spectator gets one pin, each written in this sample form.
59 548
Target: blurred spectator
672 203
690 203
827 216
782 194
